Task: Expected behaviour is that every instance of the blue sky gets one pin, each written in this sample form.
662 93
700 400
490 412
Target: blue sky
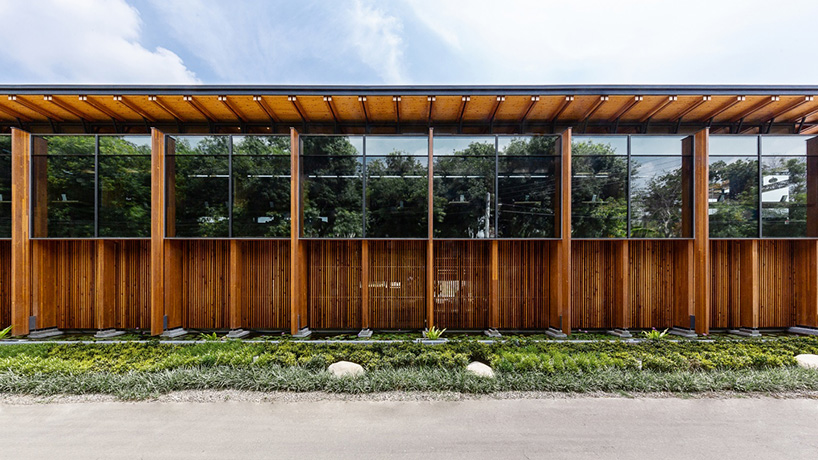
407 42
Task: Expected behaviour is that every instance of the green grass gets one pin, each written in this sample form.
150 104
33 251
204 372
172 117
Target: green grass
135 371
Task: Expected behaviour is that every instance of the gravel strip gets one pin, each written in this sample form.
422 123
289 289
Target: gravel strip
212 396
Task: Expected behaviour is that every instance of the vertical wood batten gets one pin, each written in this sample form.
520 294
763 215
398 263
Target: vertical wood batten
701 241
364 284
430 251
20 238
157 231
749 296
235 276
106 284
622 314
494 289
561 316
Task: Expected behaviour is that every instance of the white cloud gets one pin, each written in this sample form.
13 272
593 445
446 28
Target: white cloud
377 38
82 41
629 41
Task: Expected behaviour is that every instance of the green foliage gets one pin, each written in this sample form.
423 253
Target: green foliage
434 333
599 194
5 332
654 334
209 337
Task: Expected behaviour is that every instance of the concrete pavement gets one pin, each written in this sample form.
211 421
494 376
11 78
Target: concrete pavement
575 428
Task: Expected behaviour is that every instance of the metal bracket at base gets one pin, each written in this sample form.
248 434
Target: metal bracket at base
621 333
745 332
804 330
237 334
493 333
108 333
45 333
555 333
302 333
686 333
365 333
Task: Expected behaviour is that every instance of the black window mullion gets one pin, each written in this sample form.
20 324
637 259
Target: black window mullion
628 191
230 186
363 190
96 186
760 187
496 188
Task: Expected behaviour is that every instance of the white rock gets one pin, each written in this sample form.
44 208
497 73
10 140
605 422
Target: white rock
480 369
808 361
346 369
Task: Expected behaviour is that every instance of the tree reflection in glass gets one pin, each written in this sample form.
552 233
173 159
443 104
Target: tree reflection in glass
261 186
599 187
201 186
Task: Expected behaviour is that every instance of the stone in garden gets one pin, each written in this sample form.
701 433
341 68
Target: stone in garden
480 370
808 361
345 369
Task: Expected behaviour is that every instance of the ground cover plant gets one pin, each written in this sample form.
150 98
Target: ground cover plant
139 370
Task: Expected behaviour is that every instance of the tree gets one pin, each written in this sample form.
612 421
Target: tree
598 191
734 187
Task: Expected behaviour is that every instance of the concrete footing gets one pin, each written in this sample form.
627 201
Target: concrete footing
302 333
108 333
804 330
745 332
365 334
687 333
45 333
173 333
555 333
493 333
621 333
237 333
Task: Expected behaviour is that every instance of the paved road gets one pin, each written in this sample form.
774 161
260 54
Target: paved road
576 428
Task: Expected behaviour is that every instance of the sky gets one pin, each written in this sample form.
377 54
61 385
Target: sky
392 42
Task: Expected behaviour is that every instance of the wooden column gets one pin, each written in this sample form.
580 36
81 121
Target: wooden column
364 284
172 248
494 293
749 296
20 238
430 248
297 252
157 231
235 308
561 316
622 309
701 230
105 289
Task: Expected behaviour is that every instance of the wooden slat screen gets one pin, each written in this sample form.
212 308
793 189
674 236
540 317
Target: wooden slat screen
5 284
334 289
397 284
68 270
205 274
133 278
777 284
462 284
526 277
652 280
725 270
593 284
265 296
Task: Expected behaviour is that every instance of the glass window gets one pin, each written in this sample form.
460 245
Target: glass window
198 186
464 173
261 186
63 180
527 171
599 187
397 187
657 196
783 186
5 186
332 186
124 186
733 197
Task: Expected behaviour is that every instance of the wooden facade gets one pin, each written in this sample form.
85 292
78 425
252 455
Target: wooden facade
286 284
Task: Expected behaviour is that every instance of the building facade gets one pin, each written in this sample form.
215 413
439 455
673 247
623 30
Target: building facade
470 208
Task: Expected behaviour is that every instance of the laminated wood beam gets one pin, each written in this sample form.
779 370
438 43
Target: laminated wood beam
105 289
20 238
701 241
561 316
297 282
157 231
749 295
430 249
